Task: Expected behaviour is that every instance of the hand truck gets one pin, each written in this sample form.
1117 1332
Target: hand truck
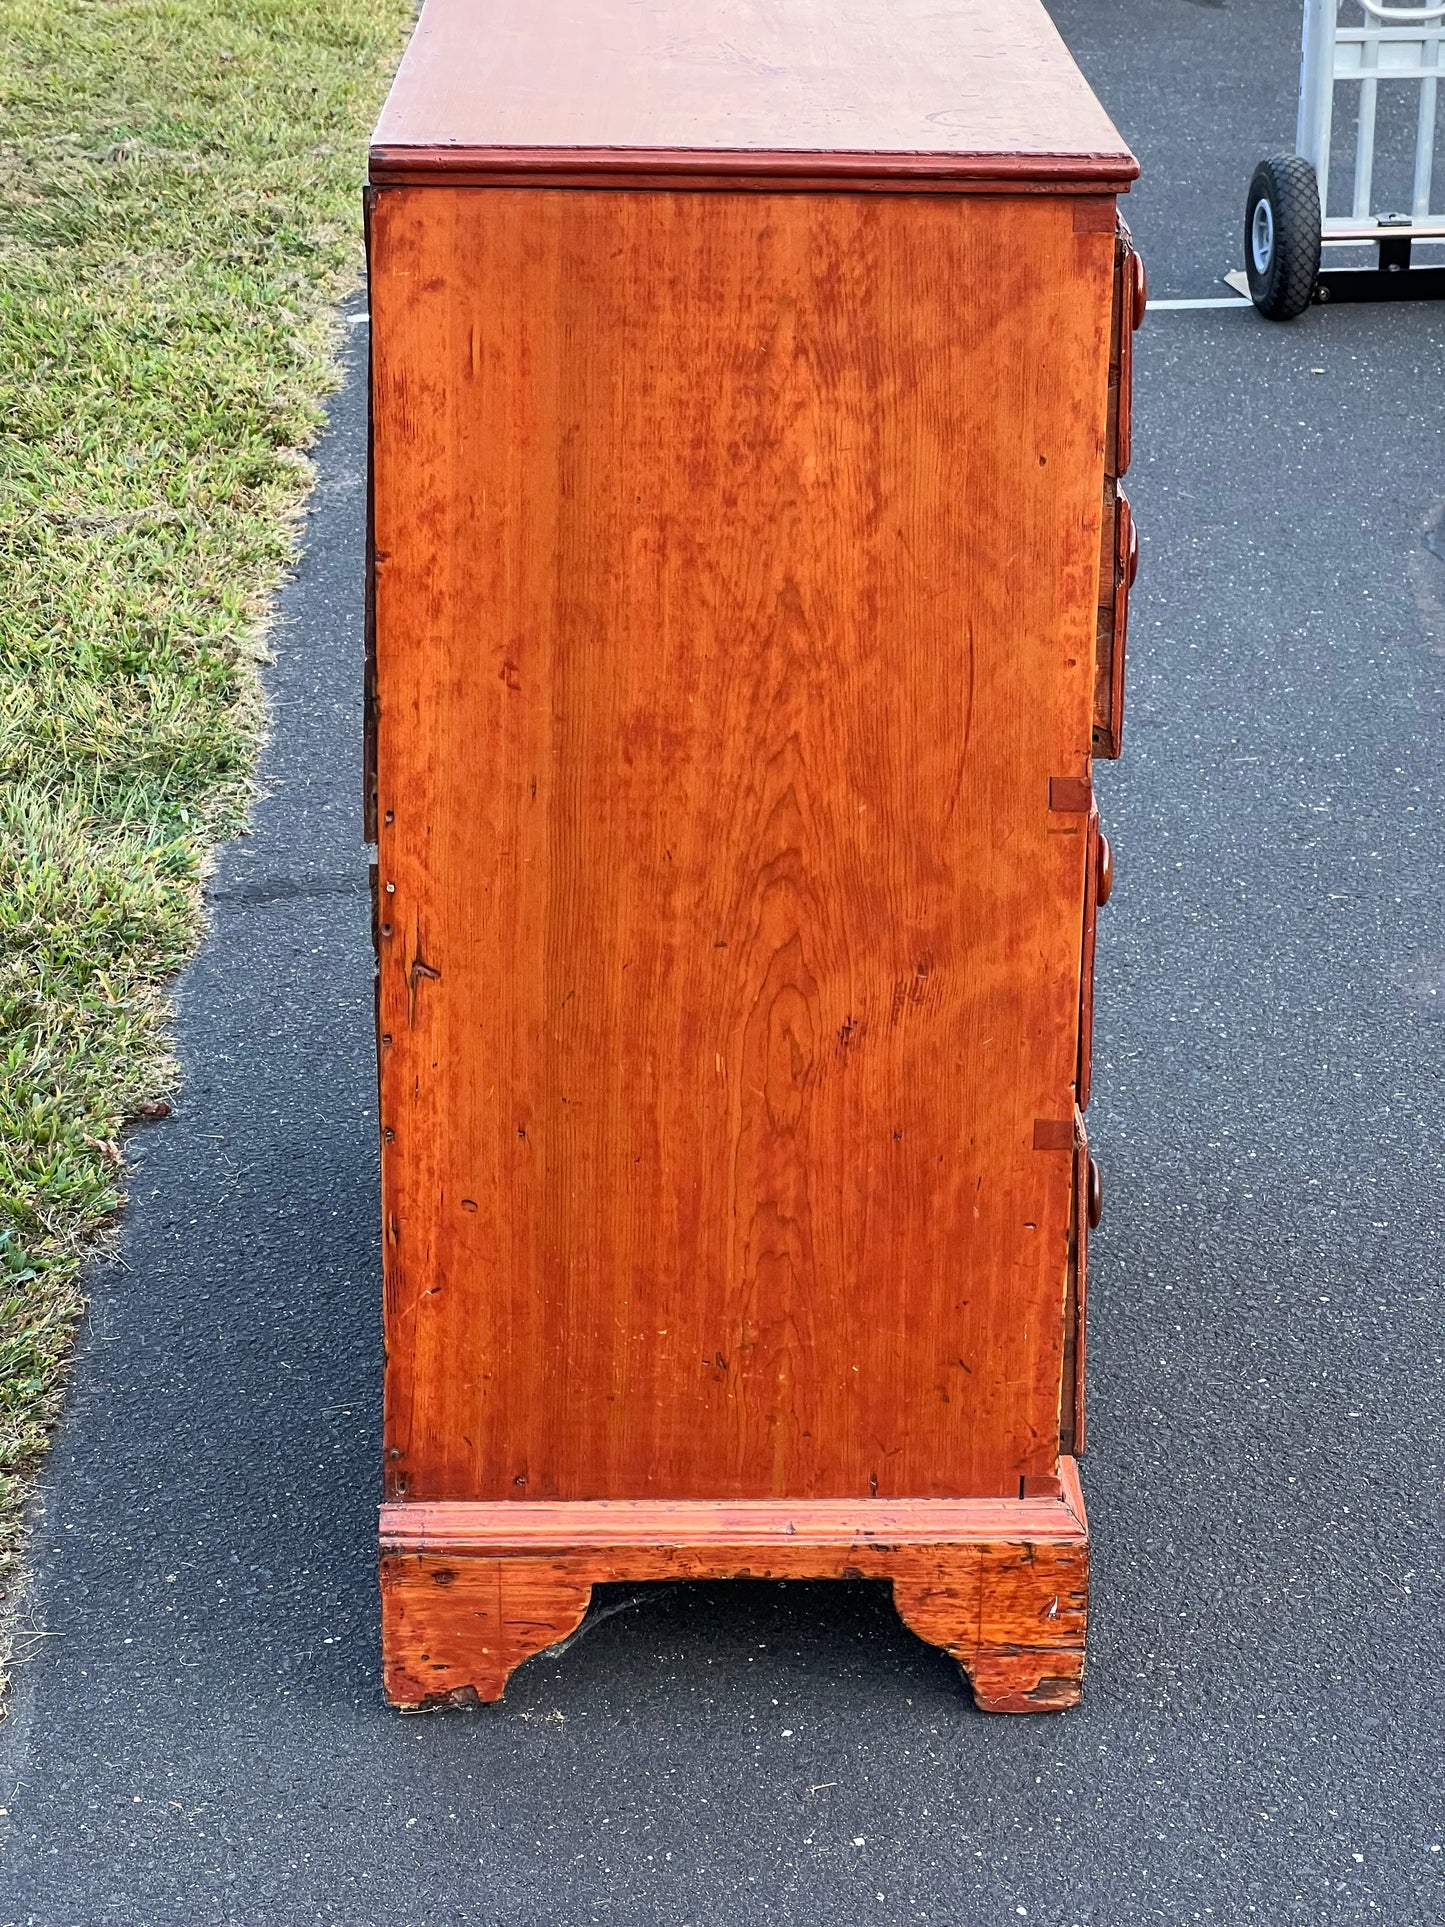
1286 222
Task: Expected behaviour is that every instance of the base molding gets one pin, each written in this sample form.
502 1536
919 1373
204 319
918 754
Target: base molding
471 1589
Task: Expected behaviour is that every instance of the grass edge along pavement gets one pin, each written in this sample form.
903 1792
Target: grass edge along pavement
179 215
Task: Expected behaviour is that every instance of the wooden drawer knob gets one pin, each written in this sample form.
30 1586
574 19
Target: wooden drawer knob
1126 541
1140 289
1105 886
1096 1194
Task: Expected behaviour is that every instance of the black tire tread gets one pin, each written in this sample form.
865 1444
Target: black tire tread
1287 290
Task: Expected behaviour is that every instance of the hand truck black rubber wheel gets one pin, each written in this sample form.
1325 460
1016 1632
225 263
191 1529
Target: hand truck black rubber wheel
1282 236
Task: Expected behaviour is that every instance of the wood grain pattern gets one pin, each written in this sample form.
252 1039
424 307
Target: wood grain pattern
673 1532
1083 1079
748 583
1118 566
456 1629
471 1590
1105 743
1075 1429
865 91
751 173
1119 542
730 948
1014 1617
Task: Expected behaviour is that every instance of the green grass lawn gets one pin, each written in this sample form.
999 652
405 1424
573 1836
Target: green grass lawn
179 212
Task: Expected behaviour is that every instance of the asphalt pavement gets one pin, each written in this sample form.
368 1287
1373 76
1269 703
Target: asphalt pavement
197 1735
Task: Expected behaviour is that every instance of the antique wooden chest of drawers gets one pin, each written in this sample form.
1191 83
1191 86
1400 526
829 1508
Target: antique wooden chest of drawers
749 572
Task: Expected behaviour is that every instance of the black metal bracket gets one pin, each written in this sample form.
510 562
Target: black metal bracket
1393 280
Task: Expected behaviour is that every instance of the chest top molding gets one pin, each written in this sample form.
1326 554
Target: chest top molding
909 95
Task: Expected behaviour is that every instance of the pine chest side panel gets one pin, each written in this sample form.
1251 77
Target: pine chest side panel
736 568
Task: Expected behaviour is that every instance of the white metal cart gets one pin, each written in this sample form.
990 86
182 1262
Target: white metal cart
1287 220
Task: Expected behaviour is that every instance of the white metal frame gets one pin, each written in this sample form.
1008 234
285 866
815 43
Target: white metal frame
1390 43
